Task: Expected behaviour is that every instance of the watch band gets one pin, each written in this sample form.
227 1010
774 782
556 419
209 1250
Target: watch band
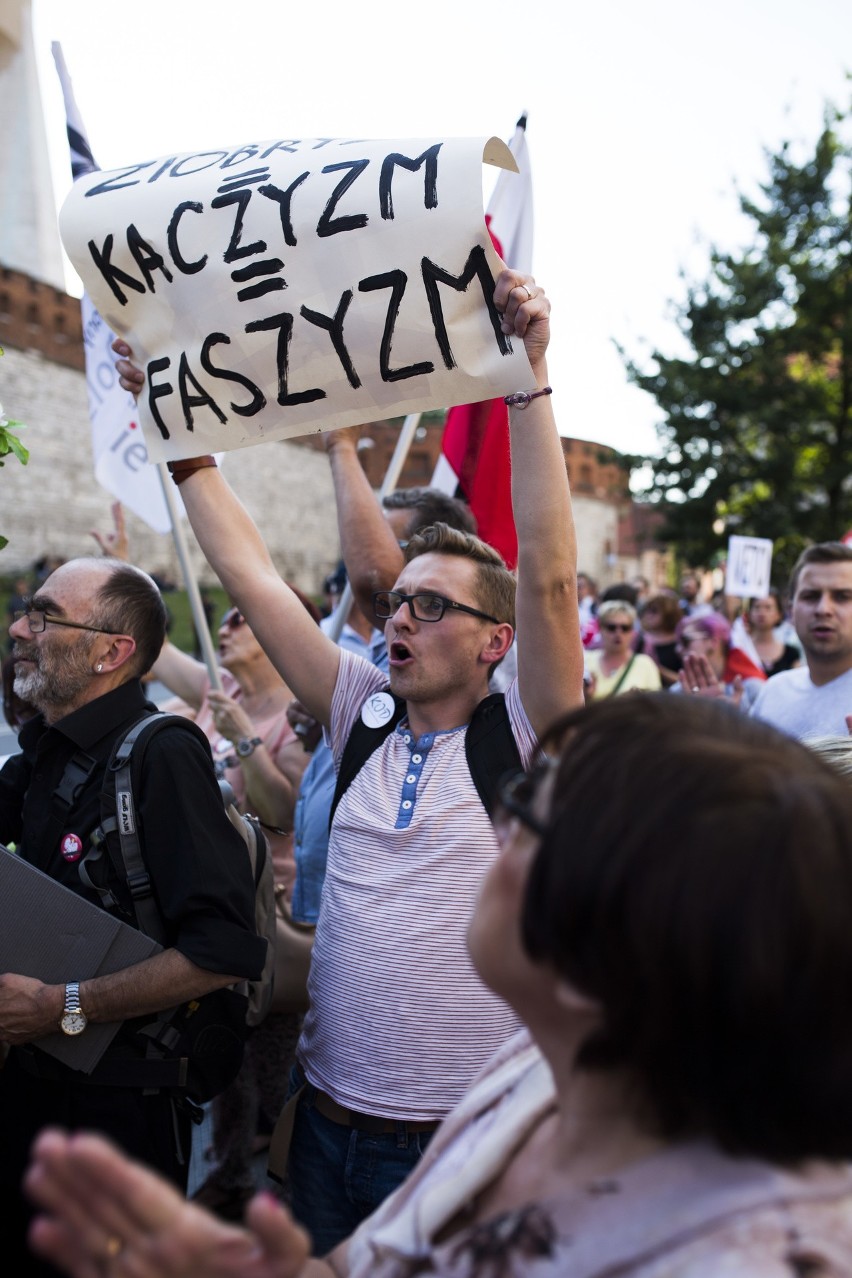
246 746
74 1019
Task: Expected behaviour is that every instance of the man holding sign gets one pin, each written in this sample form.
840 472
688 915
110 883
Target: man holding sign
399 1022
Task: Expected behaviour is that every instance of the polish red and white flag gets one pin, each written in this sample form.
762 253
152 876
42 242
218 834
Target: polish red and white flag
475 462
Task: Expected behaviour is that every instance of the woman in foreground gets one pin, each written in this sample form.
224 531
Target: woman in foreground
682 957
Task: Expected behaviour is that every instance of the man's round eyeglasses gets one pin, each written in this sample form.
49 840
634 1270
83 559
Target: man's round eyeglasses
37 620
423 607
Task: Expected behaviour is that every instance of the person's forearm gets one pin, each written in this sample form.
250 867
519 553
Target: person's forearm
225 531
371 554
269 794
541 501
181 674
303 656
164 980
550 653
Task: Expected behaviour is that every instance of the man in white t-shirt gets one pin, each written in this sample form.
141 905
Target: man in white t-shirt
399 1023
816 699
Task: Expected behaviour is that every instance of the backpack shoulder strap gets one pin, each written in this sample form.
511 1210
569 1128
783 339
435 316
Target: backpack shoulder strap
490 747
119 816
361 743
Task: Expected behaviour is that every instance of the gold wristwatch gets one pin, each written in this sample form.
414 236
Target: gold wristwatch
74 1019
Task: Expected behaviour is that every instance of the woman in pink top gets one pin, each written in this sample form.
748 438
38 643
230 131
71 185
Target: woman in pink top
670 916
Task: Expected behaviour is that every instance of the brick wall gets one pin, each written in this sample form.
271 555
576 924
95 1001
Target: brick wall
49 505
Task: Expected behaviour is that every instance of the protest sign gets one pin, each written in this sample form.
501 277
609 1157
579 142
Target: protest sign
285 287
749 567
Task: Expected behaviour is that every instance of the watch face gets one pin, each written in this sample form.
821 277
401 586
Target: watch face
73 1023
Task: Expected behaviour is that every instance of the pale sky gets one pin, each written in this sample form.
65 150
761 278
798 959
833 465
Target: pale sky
642 120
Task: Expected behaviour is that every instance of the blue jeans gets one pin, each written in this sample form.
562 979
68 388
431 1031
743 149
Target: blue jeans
338 1175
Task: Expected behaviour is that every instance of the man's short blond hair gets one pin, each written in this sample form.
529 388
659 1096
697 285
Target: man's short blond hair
495 584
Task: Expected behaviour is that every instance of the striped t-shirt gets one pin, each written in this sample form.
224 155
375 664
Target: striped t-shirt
400 1023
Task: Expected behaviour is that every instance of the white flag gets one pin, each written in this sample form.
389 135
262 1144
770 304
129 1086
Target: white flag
120 455
510 209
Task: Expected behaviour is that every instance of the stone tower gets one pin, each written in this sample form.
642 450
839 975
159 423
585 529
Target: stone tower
29 238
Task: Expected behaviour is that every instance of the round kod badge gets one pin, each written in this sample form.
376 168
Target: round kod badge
71 847
377 709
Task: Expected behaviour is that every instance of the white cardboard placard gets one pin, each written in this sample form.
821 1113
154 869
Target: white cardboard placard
284 287
749 568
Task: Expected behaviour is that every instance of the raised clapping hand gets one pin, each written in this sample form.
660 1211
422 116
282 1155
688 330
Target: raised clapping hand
699 678
105 1215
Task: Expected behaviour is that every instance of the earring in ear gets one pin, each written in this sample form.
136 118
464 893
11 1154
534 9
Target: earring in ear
99 667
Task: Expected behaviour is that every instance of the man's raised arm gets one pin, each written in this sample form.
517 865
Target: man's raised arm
370 550
306 660
550 655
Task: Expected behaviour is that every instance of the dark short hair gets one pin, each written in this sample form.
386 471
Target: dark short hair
667 606
431 506
495 584
129 603
696 880
621 590
824 552
772 593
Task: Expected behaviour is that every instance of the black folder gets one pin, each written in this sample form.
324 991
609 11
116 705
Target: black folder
49 932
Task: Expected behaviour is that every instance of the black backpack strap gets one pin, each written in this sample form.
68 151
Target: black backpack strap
490 748
119 817
361 743
78 769
148 916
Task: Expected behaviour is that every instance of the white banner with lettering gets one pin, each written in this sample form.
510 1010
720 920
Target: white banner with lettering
749 568
286 287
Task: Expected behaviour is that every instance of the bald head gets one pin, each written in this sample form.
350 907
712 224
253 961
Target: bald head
117 597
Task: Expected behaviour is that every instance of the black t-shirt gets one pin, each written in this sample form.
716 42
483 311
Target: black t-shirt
197 862
788 659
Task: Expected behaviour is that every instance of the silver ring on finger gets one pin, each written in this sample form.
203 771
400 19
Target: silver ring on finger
530 294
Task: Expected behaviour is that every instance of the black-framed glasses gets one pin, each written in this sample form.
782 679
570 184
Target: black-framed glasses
516 793
424 607
233 619
612 626
37 619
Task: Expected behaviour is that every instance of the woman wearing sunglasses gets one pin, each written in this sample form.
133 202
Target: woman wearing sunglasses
679 1104
616 667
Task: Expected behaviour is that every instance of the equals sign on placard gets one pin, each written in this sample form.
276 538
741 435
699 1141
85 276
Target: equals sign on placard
269 267
237 191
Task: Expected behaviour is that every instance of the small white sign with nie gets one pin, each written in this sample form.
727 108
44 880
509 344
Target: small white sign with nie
749 567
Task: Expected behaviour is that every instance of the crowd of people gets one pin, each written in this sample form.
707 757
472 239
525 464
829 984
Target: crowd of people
730 646
579 984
